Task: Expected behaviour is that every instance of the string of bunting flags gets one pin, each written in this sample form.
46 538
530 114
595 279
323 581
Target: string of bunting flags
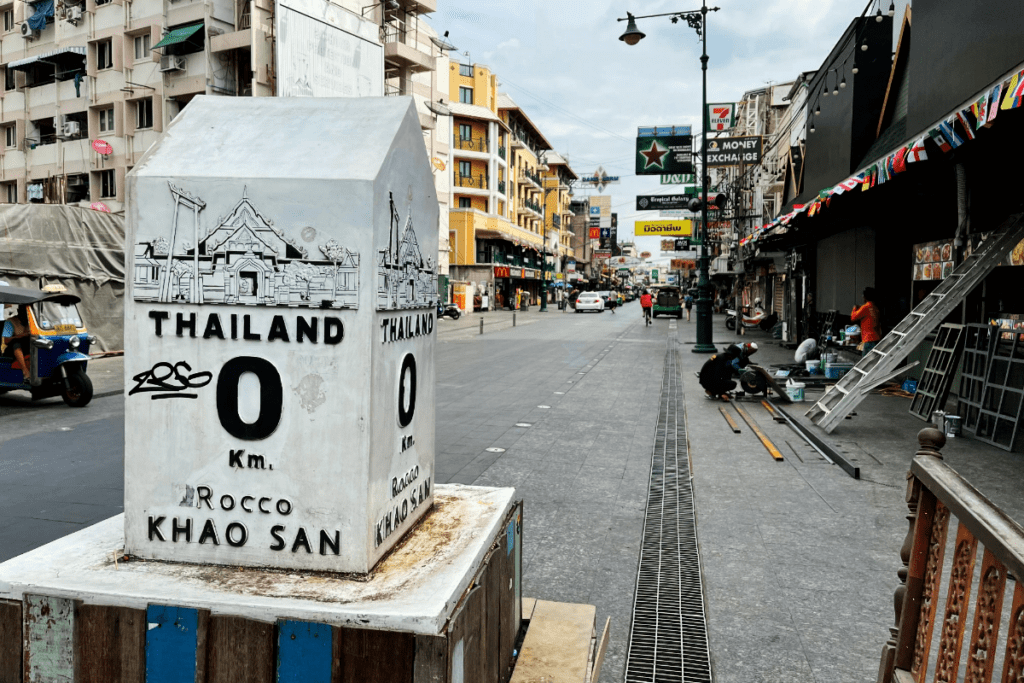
956 130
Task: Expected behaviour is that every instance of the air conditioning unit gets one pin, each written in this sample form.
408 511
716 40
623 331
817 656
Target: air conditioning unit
28 33
74 15
172 63
71 129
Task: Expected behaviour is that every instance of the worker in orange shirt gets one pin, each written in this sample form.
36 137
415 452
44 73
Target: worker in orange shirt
870 320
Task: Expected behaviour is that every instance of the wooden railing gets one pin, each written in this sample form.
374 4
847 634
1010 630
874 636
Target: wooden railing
935 492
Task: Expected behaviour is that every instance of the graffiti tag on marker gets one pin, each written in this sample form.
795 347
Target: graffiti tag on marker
169 381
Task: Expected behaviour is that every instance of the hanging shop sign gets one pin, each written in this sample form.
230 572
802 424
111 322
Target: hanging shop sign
721 116
279 362
570 266
515 272
664 154
933 260
601 254
683 264
655 131
678 227
652 202
645 255
501 271
678 179
599 180
734 151
594 233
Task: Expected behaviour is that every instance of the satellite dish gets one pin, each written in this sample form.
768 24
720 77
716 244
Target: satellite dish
442 42
439 108
438 163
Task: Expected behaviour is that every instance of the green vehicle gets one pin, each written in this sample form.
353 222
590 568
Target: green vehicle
668 301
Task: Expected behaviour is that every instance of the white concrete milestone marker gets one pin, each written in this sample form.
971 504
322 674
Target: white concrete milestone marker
279 337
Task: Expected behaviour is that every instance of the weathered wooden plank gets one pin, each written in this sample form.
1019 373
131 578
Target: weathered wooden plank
49 632
465 654
490 581
917 565
304 652
10 642
557 644
505 561
376 656
239 651
930 591
602 647
172 644
981 649
431 661
951 638
1013 664
111 644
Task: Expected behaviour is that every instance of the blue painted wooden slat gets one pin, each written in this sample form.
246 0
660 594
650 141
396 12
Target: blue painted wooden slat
303 652
171 643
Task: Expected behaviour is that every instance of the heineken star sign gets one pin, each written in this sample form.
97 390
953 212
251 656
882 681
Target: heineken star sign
664 155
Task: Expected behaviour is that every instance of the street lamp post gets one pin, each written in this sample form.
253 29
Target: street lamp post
697 20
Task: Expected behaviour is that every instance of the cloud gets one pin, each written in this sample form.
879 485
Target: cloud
510 44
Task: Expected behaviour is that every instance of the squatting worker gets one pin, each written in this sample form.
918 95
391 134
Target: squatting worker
716 375
741 354
16 338
869 317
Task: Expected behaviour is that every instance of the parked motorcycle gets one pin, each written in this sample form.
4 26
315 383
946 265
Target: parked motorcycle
448 311
757 319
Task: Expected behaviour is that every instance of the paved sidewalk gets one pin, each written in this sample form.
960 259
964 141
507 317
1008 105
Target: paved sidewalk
800 559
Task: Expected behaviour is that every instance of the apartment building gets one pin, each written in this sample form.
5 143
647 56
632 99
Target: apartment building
503 193
89 85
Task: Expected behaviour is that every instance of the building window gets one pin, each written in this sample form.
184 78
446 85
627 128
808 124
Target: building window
465 69
465 131
104 55
107 120
144 113
465 202
10 136
102 2
465 169
9 82
108 188
466 95
142 45
8 20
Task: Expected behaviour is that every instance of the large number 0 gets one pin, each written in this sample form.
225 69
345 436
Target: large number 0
407 391
271 397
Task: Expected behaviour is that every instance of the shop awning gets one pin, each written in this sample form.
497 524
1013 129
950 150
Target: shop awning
59 56
178 35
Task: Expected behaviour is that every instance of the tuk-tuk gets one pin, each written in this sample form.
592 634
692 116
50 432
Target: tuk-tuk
59 345
668 301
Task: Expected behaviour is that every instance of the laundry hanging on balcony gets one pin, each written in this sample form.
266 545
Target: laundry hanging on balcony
44 10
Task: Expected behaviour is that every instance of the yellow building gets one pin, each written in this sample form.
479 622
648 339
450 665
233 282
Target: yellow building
497 216
558 179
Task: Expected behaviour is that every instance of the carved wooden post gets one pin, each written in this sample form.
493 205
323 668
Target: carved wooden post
906 598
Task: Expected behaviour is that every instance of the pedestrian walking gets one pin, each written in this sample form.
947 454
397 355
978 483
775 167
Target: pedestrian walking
870 319
688 304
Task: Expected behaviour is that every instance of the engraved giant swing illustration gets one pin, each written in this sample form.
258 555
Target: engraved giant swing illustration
244 260
404 278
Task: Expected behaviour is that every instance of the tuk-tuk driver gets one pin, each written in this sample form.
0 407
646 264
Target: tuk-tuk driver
16 337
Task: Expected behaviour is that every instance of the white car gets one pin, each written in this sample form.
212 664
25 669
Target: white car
589 301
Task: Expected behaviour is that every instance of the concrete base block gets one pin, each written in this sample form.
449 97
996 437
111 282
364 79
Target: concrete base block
444 605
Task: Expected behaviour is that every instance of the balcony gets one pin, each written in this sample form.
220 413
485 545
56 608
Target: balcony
526 176
401 47
501 187
502 152
480 144
556 220
528 205
478 182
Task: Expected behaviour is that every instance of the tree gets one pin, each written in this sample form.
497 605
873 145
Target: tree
335 252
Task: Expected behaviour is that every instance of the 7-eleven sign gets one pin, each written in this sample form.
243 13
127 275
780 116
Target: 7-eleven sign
721 116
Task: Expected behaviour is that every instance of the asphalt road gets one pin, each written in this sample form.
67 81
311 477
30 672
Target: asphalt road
587 386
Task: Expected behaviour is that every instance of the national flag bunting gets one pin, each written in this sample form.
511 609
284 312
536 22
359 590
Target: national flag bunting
964 117
1014 93
899 163
917 152
852 183
940 140
994 96
980 111
883 171
947 130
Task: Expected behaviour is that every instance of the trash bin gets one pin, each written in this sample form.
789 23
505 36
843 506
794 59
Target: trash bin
561 305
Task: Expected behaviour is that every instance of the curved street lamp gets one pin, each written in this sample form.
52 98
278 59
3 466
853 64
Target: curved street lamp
697 20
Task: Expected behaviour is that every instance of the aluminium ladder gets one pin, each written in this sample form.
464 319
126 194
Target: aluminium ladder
882 362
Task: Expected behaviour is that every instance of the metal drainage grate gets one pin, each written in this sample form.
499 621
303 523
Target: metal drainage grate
668 639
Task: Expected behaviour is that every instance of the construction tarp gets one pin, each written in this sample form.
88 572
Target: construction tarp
82 249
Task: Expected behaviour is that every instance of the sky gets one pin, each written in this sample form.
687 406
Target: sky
562 62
